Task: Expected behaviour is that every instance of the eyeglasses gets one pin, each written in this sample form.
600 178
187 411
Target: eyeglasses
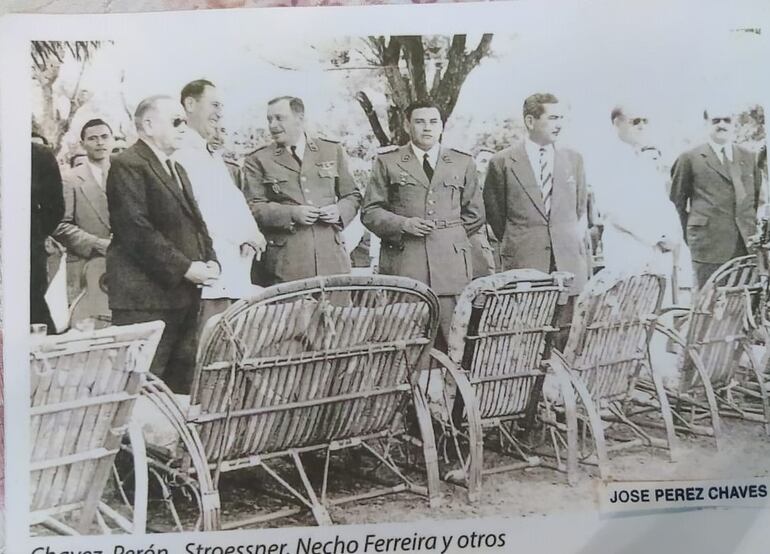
717 120
179 121
638 121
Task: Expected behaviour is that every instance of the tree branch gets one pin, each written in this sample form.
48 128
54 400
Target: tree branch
371 116
414 53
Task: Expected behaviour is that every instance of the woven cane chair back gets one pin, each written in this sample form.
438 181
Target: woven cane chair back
82 390
500 335
613 322
310 362
718 321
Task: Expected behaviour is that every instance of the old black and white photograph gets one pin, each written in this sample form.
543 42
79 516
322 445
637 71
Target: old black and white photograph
309 276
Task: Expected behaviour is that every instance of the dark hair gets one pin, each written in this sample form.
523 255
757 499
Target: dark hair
534 104
194 89
93 123
296 104
420 104
616 112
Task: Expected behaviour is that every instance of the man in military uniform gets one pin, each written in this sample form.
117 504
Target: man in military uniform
302 195
424 202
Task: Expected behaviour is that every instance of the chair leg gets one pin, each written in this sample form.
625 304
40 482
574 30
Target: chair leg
597 427
710 396
665 410
428 446
320 512
141 478
758 375
570 410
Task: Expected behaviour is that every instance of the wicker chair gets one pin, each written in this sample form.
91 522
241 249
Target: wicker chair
716 335
287 380
607 350
490 383
83 387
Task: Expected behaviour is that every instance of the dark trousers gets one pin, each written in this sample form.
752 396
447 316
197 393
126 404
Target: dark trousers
446 307
705 270
174 360
38 283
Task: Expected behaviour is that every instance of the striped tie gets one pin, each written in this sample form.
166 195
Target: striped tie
546 181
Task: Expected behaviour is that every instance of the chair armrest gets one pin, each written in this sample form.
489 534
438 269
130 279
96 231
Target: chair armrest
463 385
673 308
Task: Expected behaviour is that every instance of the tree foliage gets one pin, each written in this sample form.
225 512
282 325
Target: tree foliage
418 68
48 57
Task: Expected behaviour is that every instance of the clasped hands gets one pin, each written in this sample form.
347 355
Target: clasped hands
308 215
203 273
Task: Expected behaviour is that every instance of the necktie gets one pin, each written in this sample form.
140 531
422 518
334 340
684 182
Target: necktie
426 167
170 167
725 161
546 181
294 155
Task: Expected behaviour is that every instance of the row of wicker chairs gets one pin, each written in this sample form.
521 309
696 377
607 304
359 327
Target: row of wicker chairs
305 378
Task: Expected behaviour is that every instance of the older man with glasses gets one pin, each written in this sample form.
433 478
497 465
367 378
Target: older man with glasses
640 223
715 189
161 252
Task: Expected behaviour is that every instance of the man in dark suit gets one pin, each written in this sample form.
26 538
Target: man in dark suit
302 195
535 200
715 188
46 209
160 251
85 227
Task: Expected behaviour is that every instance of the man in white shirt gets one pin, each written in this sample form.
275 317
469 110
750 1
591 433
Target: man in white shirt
232 228
640 222
85 227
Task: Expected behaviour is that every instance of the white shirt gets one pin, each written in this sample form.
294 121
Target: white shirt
97 172
160 155
226 214
533 153
432 154
717 148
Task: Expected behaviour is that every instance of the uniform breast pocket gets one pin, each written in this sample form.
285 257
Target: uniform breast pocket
328 169
455 190
274 187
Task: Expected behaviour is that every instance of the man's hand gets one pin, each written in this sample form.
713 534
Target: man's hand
257 245
666 244
306 215
418 227
101 246
202 272
330 214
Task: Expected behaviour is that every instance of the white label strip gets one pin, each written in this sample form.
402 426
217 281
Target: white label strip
634 496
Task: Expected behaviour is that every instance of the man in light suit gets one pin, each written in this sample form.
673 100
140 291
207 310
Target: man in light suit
535 200
715 188
161 252
85 227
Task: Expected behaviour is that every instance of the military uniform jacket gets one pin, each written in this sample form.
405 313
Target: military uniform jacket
400 190
717 203
275 184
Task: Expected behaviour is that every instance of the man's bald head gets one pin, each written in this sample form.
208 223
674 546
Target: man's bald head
160 121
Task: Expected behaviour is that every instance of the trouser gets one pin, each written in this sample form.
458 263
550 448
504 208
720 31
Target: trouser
38 283
209 308
704 270
446 307
174 360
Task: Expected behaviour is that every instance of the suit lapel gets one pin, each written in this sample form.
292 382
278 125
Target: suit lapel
94 194
164 177
713 162
735 176
409 163
522 170
561 176
282 156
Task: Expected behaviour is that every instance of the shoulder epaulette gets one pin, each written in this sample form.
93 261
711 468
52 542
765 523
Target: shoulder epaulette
327 139
258 148
461 151
386 149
